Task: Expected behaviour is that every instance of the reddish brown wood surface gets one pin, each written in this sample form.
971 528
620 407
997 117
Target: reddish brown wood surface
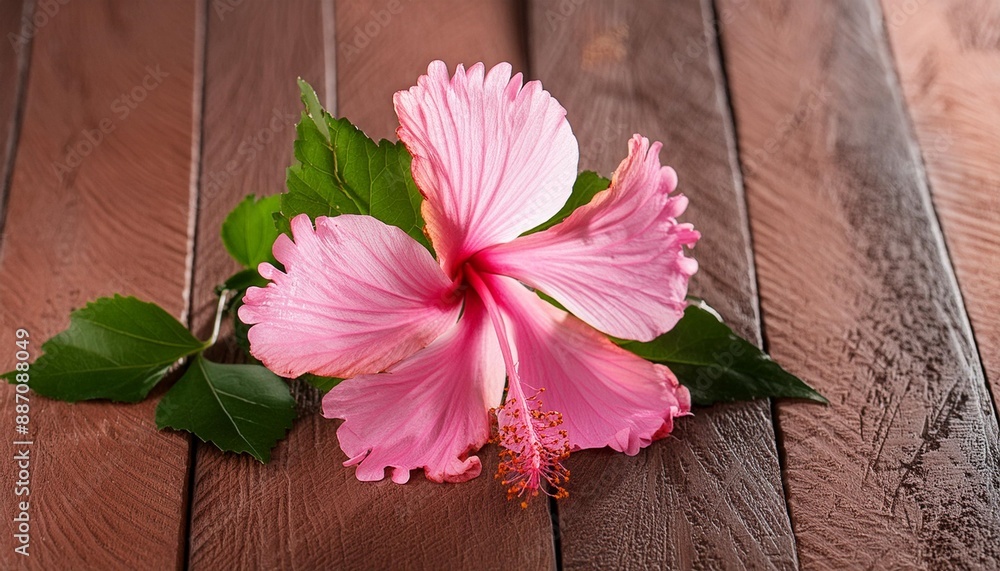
424 525
107 489
838 107
245 514
710 495
384 45
948 60
305 509
13 67
901 471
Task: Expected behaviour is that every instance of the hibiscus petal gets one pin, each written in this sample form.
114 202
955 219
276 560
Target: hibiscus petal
356 296
429 411
618 262
607 396
494 159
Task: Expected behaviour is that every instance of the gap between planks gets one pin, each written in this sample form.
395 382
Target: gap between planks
12 97
856 327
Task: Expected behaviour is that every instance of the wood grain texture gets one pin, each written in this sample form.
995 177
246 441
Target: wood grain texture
107 489
424 525
244 514
305 510
902 471
13 69
948 60
384 45
710 496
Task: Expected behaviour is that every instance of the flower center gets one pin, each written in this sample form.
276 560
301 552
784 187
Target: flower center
534 448
533 445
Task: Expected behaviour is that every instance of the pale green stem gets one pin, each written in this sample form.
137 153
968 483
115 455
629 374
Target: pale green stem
223 297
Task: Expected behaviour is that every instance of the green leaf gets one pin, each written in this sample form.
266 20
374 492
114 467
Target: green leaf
314 109
115 348
339 170
240 281
248 233
587 184
239 408
324 384
717 365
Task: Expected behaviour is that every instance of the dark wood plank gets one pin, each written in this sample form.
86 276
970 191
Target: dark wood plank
244 514
947 57
13 69
903 469
107 489
710 496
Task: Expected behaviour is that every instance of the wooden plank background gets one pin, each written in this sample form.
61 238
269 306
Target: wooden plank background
901 471
626 512
853 127
251 107
13 66
947 58
305 488
100 202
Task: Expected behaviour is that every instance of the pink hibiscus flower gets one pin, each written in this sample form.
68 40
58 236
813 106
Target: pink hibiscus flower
426 345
